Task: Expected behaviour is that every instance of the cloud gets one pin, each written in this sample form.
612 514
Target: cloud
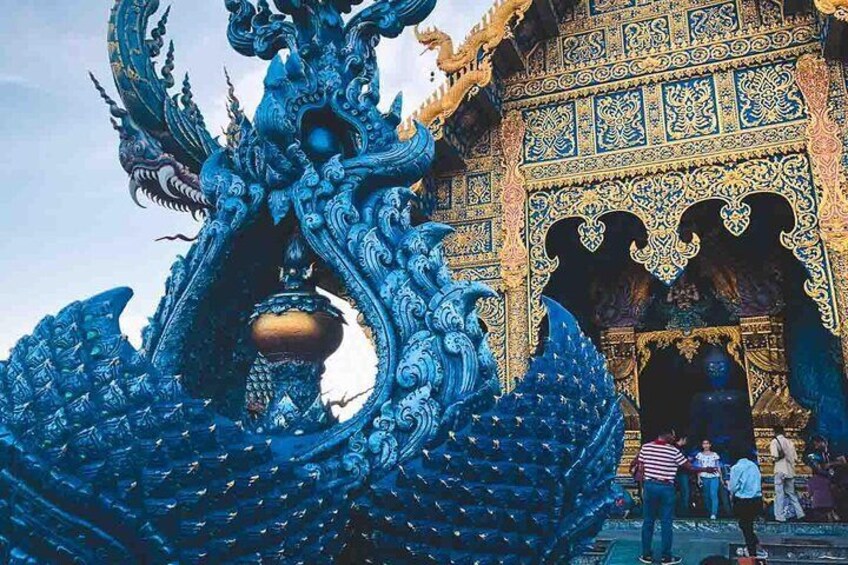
15 80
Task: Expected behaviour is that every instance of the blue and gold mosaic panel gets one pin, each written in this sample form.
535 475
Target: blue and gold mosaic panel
479 189
444 194
584 47
598 7
711 22
646 35
620 121
551 133
690 108
768 95
470 238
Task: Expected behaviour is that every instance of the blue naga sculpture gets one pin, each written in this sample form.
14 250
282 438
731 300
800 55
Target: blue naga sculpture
212 444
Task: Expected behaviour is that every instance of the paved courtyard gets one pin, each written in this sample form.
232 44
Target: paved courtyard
695 540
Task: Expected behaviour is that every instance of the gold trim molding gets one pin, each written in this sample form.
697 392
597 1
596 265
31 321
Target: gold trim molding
514 201
824 146
689 342
468 73
513 255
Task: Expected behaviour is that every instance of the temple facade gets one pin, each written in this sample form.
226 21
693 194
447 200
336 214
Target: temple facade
672 171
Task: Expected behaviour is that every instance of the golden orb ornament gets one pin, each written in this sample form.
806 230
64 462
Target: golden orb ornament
294 334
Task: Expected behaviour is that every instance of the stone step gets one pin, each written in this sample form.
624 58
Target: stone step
802 551
727 526
599 554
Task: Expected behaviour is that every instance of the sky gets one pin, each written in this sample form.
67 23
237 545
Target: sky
68 229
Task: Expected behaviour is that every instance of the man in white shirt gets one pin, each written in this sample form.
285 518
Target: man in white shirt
785 457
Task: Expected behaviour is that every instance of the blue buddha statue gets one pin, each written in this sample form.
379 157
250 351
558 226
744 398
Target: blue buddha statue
721 414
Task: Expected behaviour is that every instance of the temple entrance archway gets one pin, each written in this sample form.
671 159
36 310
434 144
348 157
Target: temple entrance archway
741 294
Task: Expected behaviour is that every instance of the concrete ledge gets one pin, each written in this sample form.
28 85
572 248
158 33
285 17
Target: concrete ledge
727 526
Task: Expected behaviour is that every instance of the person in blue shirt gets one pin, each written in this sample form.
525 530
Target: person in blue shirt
745 487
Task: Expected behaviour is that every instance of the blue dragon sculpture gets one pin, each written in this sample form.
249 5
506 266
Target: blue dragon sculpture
109 453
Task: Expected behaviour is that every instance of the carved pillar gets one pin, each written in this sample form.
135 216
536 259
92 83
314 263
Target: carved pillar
619 347
514 256
824 145
768 386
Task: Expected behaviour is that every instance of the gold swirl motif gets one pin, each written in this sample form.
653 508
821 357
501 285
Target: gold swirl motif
689 342
825 149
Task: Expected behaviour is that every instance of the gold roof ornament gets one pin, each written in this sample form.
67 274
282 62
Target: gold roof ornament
485 36
469 67
835 8
441 105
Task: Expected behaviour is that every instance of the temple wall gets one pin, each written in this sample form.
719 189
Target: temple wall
648 107
815 376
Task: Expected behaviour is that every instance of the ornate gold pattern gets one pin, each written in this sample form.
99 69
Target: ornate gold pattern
496 25
727 116
786 40
826 152
830 7
514 200
825 149
705 138
513 255
619 347
444 102
768 384
689 342
660 200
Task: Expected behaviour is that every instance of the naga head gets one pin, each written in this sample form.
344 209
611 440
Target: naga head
432 38
153 171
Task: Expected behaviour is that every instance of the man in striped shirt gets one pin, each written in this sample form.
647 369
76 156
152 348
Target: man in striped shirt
660 461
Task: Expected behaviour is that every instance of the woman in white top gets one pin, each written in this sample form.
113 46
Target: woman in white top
709 482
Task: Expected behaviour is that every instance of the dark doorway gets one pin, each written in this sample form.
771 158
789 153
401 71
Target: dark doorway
678 394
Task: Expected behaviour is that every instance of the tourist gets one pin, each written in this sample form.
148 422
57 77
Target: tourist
683 481
660 460
785 457
709 481
746 489
819 485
